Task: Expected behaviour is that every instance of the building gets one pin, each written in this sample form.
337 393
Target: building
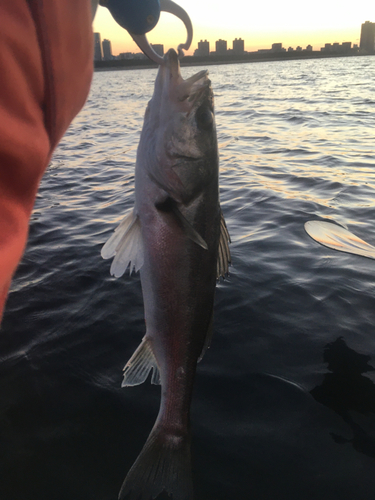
221 46
107 50
238 46
97 47
126 55
299 48
203 49
309 48
158 48
277 47
140 56
346 46
367 42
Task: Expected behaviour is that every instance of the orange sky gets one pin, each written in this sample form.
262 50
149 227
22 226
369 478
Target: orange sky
291 22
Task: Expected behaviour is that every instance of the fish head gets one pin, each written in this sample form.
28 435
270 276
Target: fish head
182 122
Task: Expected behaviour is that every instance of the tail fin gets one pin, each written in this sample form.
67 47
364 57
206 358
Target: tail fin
164 464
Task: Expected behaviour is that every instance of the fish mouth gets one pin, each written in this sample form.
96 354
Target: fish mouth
188 91
172 63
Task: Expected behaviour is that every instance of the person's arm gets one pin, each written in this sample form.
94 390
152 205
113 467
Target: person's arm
46 66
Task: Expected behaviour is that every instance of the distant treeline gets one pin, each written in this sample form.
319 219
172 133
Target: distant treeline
229 58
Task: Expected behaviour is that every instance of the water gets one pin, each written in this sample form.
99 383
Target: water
284 403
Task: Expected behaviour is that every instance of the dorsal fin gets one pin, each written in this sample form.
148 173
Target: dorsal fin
208 339
126 245
223 258
109 248
223 261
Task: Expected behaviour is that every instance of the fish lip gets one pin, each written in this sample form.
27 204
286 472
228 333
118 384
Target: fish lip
172 63
198 94
171 56
195 86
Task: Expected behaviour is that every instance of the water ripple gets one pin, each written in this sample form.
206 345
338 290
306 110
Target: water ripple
297 144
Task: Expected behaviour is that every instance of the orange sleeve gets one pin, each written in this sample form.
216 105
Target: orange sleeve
46 69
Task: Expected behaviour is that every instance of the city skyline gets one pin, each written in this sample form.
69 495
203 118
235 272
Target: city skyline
259 25
102 51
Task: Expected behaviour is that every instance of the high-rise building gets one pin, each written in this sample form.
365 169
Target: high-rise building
238 46
277 47
126 55
158 48
203 48
107 50
97 47
221 46
367 42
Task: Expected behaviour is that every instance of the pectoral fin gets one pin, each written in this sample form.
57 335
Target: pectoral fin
223 259
169 206
188 228
125 245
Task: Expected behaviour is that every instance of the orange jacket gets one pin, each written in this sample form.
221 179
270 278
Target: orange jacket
46 66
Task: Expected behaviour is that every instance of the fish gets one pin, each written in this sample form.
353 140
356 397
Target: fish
176 236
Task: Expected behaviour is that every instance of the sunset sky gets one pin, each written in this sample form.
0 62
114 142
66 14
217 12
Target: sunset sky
260 24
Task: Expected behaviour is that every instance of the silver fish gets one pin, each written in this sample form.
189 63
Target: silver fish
176 235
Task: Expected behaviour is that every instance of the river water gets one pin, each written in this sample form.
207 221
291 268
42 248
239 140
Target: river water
284 402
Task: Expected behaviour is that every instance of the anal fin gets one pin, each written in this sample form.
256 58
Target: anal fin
139 365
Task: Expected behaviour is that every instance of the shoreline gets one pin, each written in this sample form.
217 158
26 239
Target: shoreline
254 57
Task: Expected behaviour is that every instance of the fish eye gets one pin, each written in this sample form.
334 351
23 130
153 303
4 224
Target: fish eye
204 118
